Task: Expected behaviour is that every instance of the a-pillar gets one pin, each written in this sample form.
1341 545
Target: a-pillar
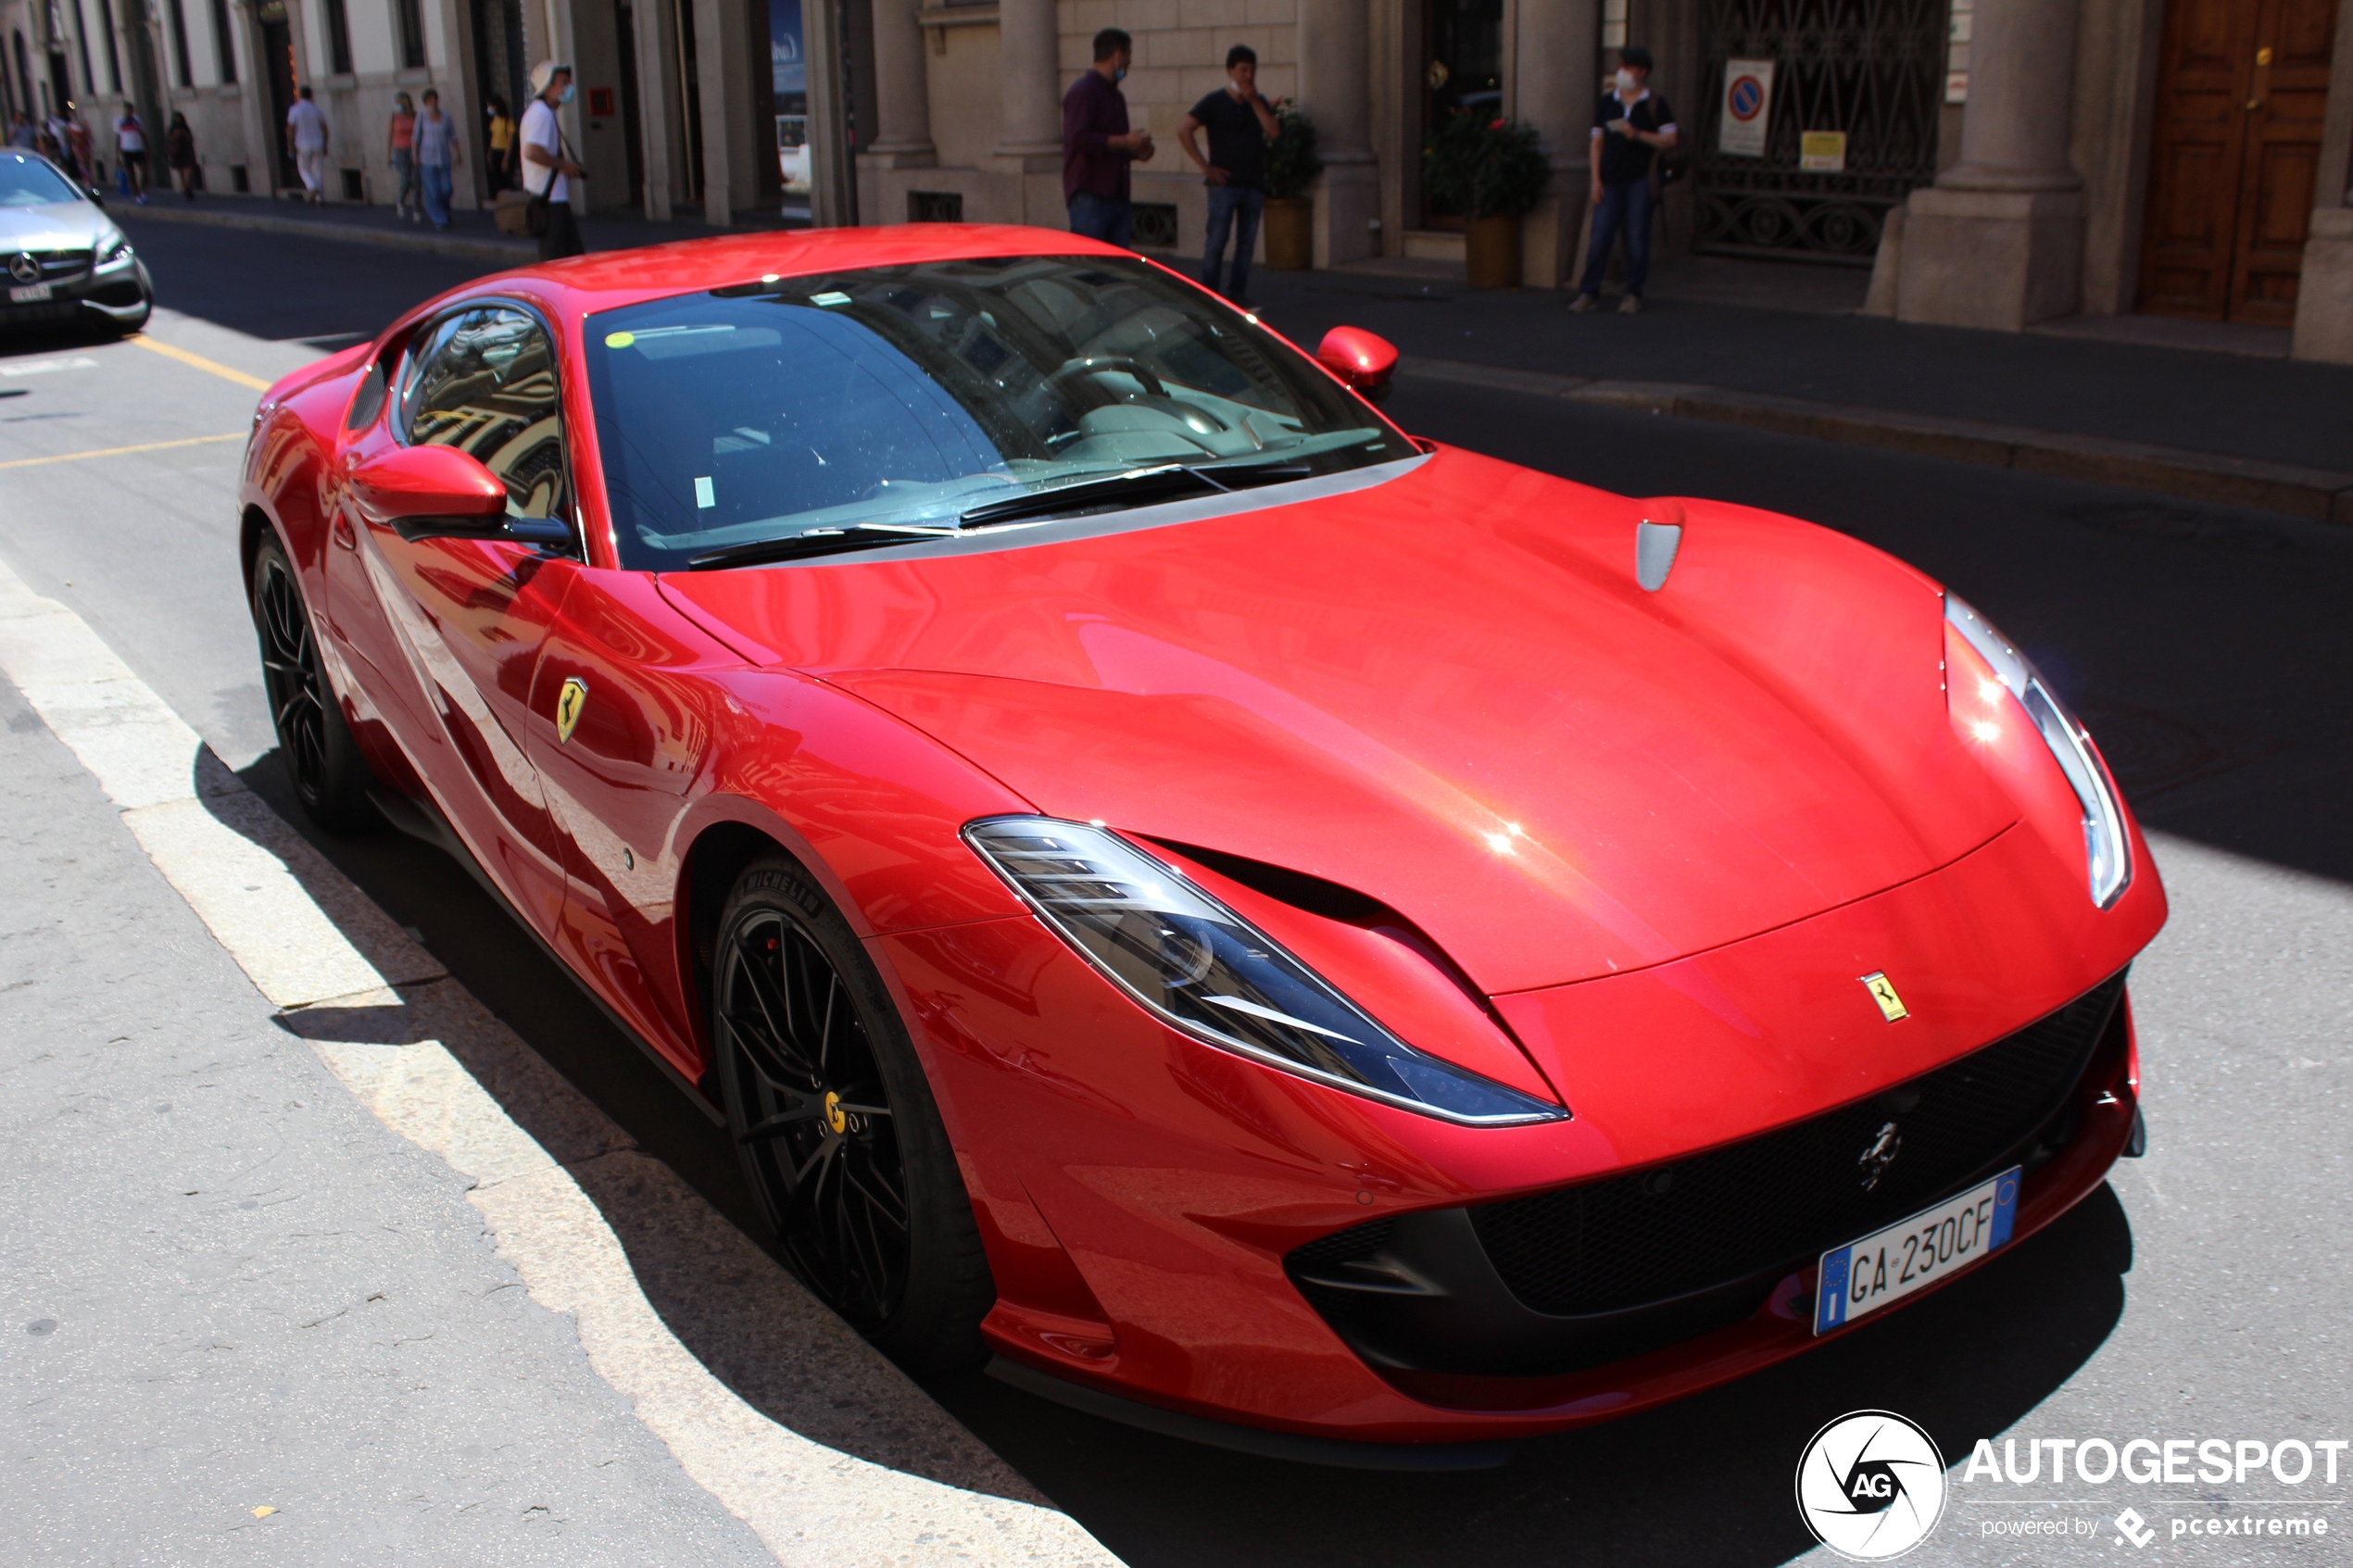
1335 88
902 106
1556 73
1998 240
1029 140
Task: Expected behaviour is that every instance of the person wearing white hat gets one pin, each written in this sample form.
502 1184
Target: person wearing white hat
548 168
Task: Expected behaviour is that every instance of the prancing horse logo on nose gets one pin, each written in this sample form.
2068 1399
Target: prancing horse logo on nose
1872 1163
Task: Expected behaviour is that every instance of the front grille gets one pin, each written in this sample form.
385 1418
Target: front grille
1727 1214
56 265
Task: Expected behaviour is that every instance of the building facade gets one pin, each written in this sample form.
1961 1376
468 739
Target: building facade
1993 162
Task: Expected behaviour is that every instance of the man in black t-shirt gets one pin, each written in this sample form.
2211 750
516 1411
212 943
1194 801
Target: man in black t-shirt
1632 127
1240 124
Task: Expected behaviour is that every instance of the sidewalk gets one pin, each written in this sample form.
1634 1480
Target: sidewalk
469 233
2225 427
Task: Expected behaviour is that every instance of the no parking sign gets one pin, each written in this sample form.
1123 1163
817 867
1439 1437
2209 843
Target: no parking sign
1748 103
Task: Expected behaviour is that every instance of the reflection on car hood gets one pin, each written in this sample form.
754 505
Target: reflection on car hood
53 226
1448 692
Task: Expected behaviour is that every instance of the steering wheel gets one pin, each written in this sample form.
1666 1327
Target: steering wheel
1095 364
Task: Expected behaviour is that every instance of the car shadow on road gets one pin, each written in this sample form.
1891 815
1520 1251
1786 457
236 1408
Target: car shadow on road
660 1175
1706 1480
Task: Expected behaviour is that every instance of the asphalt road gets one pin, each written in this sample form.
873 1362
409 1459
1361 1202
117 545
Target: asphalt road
2192 1298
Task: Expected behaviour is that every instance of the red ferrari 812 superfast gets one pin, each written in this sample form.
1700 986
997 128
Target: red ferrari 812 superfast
1258 924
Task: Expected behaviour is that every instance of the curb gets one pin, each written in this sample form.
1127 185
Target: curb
514 254
2316 495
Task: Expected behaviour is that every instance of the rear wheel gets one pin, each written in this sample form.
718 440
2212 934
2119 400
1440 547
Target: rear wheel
331 778
837 1127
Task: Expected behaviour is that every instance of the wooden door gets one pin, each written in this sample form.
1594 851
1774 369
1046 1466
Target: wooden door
2242 90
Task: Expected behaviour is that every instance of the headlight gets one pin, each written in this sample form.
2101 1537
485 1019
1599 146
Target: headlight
112 251
2106 846
1206 971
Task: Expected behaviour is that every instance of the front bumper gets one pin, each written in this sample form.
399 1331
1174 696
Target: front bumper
120 295
1512 1299
1145 1199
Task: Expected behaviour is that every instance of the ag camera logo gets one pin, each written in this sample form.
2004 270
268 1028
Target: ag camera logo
1870 1485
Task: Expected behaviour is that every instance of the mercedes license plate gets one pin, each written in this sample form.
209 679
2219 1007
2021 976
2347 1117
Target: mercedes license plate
27 294
1885 1266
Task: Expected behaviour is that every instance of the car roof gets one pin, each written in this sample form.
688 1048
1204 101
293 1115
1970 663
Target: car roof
609 278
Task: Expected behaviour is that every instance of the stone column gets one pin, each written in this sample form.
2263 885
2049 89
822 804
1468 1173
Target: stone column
1029 125
1555 67
1335 88
902 96
1998 240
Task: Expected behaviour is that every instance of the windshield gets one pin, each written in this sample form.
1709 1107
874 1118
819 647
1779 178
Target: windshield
912 395
26 181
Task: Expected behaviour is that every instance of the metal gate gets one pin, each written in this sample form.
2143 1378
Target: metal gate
1872 69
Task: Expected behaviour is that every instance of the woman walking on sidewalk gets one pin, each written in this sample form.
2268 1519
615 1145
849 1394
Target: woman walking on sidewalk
180 152
438 153
404 157
131 143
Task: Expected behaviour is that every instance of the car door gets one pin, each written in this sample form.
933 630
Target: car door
623 755
459 621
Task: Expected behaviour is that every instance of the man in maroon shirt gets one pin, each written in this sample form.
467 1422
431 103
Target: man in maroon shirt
1098 146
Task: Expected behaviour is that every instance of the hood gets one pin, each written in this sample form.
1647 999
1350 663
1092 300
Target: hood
1448 692
53 226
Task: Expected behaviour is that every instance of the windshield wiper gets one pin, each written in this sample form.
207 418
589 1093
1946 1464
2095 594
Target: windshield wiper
1133 486
816 542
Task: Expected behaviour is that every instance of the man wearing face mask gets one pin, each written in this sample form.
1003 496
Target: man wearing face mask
548 168
1632 127
1098 146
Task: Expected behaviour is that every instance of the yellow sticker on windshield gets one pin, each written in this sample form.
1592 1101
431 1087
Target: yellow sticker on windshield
620 340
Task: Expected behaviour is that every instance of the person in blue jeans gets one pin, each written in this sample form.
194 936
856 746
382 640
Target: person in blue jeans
1632 127
1098 146
1240 124
438 155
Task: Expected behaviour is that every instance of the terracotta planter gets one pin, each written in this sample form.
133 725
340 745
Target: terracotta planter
1289 222
1490 251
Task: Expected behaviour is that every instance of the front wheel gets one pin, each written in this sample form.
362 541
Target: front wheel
838 1133
330 776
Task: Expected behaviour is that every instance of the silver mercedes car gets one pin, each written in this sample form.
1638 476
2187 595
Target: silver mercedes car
64 258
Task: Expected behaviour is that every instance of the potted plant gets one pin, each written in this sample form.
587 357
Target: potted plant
1292 163
1492 171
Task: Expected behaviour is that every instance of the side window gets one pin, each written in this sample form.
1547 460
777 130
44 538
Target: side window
485 384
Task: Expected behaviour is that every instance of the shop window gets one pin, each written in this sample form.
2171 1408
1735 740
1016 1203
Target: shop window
934 206
410 19
224 47
338 37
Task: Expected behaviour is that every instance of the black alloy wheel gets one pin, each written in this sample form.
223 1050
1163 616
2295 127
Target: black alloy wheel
330 777
836 1128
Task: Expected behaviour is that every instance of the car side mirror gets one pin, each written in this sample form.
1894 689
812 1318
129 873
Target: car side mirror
1365 362
440 491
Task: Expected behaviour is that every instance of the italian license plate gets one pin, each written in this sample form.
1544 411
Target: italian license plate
27 294
1862 1276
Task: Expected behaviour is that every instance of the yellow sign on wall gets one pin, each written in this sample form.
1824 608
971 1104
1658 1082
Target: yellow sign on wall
1822 152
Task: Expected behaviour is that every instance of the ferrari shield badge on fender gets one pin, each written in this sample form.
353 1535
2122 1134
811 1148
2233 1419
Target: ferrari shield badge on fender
1883 989
574 696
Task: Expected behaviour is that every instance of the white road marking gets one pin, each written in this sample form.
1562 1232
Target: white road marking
45 367
322 951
